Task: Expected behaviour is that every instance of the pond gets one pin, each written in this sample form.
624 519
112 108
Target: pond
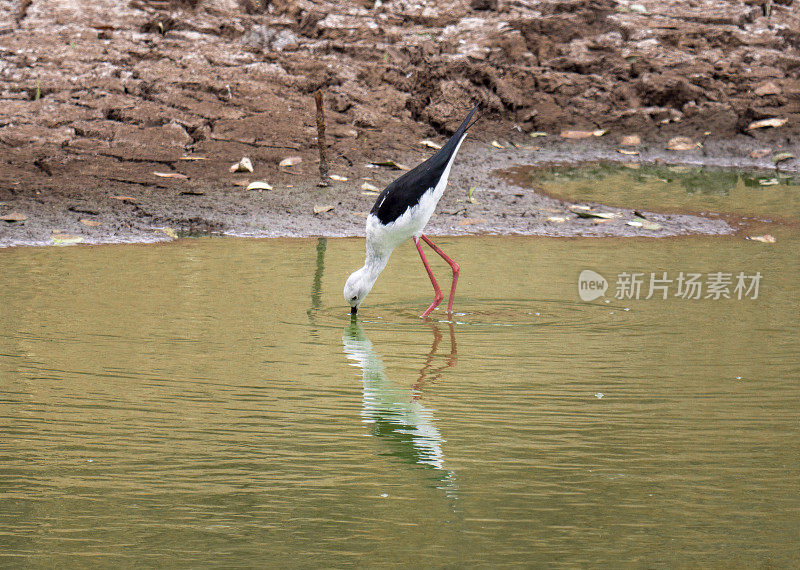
663 187
209 402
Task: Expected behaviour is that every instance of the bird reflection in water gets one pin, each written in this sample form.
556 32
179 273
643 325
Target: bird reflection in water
395 413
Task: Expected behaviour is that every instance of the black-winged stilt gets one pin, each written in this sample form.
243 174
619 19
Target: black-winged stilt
402 211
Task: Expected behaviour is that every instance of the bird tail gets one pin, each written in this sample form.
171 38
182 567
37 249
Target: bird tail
461 130
478 118
465 124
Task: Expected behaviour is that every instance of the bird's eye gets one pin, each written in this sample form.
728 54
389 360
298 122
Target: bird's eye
354 298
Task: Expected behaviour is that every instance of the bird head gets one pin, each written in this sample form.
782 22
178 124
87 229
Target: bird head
358 285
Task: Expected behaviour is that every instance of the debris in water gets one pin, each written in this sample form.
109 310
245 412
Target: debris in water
370 187
430 144
124 198
537 134
91 223
338 178
782 156
496 144
766 238
627 151
630 140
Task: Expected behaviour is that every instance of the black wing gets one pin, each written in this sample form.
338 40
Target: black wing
407 190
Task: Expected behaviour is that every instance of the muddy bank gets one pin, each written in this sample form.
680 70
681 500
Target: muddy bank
99 96
499 204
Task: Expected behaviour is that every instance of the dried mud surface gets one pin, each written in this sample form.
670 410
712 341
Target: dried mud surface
99 95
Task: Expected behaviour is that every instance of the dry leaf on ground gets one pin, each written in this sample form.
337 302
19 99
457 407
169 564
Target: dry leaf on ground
766 238
14 217
290 161
630 140
772 122
60 238
322 209
681 143
171 175
430 144
576 134
259 185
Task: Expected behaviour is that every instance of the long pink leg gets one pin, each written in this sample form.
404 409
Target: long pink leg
438 292
453 265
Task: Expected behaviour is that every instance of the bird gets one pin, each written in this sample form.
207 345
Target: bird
401 212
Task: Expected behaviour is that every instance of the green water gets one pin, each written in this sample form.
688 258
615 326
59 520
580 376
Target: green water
208 403
669 188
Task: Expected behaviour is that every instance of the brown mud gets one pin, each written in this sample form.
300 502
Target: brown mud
99 95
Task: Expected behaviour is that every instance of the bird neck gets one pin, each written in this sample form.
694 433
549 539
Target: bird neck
374 264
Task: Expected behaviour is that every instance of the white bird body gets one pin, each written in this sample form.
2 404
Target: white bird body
401 212
383 239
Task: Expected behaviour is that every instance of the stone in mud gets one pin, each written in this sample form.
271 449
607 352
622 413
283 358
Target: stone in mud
666 90
483 4
767 88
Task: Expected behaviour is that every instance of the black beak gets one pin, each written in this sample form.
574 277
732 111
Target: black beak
353 310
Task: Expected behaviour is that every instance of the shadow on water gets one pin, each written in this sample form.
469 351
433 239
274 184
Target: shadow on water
316 284
395 414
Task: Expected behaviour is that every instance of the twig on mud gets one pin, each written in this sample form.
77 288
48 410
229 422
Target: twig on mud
323 159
